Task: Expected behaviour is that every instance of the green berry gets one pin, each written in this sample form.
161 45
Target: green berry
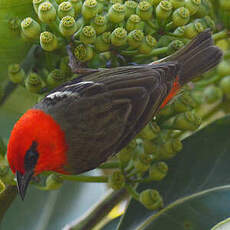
144 10
68 26
192 6
225 86
181 16
163 10
83 53
33 83
16 73
30 28
102 42
151 199
55 78
88 35
116 13
65 9
147 45
116 180
212 94
48 41
135 38
89 9
223 69
119 37
46 12
99 24
158 171
130 8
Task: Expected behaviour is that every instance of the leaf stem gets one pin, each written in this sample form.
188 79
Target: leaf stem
110 165
88 179
132 191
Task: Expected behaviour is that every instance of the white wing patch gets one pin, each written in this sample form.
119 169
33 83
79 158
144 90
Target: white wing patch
60 94
79 84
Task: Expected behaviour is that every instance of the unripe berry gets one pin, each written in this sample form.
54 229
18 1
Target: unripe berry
99 23
30 28
225 86
65 9
187 121
48 41
163 10
16 73
135 38
177 3
36 4
151 199
223 69
55 78
150 131
83 53
116 180
102 42
116 13
192 6
46 12
130 8
158 171
169 149
68 26
119 37
134 22
174 46
144 10
89 9
181 16
77 5
33 83
212 94
147 45
193 29
88 35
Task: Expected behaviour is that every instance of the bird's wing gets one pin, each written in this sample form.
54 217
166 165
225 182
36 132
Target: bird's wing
103 113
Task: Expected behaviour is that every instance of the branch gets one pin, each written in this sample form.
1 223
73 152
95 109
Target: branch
98 212
6 198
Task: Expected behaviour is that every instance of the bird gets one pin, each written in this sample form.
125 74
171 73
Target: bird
83 122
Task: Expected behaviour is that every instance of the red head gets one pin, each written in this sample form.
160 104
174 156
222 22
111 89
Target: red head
36 144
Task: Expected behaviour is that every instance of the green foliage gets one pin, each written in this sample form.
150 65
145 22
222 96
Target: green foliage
114 33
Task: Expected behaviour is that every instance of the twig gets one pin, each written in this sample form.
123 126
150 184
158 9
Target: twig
98 212
6 198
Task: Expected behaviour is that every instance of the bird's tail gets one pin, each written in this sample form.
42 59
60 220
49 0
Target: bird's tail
199 56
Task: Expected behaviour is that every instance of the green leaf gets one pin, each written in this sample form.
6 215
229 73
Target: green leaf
48 210
202 165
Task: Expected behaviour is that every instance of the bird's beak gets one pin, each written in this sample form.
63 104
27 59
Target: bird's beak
23 181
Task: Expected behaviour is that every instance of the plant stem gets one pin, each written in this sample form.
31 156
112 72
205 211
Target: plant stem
132 192
110 165
89 179
98 212
6 198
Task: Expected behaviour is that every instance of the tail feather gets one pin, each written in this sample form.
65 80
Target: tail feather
199 56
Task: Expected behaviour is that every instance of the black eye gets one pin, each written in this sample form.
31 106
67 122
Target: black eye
31 157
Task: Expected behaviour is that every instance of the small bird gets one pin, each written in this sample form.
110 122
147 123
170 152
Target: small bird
81 123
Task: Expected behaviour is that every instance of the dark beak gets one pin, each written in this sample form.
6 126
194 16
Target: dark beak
23 182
